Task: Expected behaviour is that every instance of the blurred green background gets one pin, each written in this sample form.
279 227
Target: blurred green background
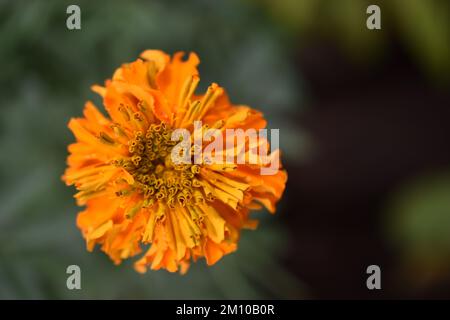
364 132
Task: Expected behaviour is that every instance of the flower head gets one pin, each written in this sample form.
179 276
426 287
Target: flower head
135 193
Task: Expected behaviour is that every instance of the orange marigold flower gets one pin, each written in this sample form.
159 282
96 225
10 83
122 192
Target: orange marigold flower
135 195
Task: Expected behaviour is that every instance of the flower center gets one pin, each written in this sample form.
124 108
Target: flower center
156 177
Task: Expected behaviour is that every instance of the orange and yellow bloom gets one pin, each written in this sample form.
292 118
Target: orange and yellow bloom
135 196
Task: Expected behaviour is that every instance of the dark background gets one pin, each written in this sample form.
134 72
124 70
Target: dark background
364 129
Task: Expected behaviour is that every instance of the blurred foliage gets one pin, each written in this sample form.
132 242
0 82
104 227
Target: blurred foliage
417 221
423 26
46 74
